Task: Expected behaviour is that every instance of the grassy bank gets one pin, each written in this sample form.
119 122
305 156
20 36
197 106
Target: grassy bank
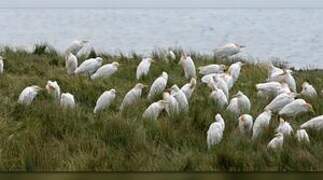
45 137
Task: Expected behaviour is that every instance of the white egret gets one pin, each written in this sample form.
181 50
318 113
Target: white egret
280 101
158 86
153 111
181 98
89 66
76 46
271 89
28 95
105 100
132 96
273 71
314 123
308 90
172 104
245 124
189 88
219 83
71 63
143 68
296 107
188 66
172 55
215 132
234 70
284 127
1 65
233 107
286 77
106 70
228 50
218 96
262 122
67 100
302 136
239 103
277 142
53 89
212 68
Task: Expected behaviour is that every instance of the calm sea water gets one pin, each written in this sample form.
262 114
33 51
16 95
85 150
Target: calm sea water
292 34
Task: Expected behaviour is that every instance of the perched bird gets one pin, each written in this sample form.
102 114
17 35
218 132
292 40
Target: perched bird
158 86
172 55
308 90
215 132
284 127
143 67
76 46
1 65
245 124
172 104
132 96
53 89
105 100
218 96
67 100
271 89
280 101
302 136
89 66
220 84
71 63
239 103
314 123
234 70
181 98
189 88
28 95
286 77
189 67
228 50
153 111
277 142
262 122
106 70
212 68
296 107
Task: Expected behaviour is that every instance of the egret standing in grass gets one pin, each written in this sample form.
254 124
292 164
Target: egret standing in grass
76 46
181 98
153 111
239 103
315 123
53 89
172 104
28 95
234 70
228 50
89 66
67 100
132 96
211 69
106 70
261 123
245 124
143 68
158 86
302 136
105 100
284 127
215 132
189 88
308 90
286 77
188 66
276 143
218 96
1 65
295 108
280 102
71 63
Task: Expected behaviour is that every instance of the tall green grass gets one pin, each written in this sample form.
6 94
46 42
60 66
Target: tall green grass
45 137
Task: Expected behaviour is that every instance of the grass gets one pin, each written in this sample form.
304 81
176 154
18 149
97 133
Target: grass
45 137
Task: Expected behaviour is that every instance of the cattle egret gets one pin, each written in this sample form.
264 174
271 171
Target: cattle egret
218 96
172 104
53 89
67 100
286 77
302 136
296 107
105 100
106 70
158 86
143 68
28 95
153 111
314 123
212 68
215 132
273 71
245 124
89 66
234 70
233 106
181 98
189 88
1 64
227 78
277 142
262 122
280 102
240 103
228 50
132 96
271 89
308 90
71 63
189 67
76 46
284 127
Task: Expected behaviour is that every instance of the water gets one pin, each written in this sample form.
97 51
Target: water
292 34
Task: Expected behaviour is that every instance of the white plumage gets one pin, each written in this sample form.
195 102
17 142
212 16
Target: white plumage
53 89
218 96
105 100
180 98
1 65
308 90
277 142
286 77
228 50
132 96
71 63
234 70
153 111
158 86
273 71
262 122
188 66
76 46
284 127
89 66
143 68
296 107
271 89
189 88
302 136
245 124
67 100
172 104
233 106
212 68
215 132
28 95
314 123
240 103
105 71
280 101
172 55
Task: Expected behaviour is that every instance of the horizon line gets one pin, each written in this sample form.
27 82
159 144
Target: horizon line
153 7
